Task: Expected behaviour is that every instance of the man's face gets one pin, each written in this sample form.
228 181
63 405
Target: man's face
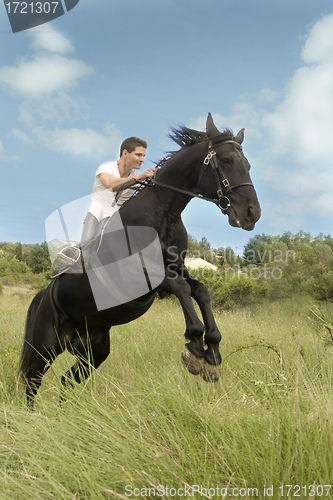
136 158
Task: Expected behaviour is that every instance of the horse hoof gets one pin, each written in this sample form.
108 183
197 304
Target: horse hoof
210 373
194 364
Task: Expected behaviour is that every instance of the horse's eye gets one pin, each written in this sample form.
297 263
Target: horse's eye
225 160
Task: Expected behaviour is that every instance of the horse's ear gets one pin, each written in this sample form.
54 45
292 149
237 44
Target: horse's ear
211 129
240 136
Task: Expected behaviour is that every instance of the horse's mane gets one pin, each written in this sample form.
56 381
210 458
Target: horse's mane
185 137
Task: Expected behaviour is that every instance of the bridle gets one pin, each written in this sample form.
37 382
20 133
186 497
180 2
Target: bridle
224 189
211 159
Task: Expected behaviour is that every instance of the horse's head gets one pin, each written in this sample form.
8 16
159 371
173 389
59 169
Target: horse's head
227 175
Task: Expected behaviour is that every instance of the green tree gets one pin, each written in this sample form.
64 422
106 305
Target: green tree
328 240
256 249
200 249
19 251
227 257
39 259
8 249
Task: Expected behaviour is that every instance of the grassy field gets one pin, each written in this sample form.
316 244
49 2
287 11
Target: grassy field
142 427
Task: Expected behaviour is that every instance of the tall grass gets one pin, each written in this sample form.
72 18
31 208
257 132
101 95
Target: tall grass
142 421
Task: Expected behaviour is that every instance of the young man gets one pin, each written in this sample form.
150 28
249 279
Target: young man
109 177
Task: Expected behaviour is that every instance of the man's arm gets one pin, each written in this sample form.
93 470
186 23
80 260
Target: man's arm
109 181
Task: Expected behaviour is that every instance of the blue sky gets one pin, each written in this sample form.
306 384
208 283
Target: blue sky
71 90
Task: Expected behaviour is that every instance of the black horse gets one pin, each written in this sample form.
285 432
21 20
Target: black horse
209 165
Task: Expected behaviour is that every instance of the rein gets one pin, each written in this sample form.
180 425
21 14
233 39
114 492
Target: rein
222 201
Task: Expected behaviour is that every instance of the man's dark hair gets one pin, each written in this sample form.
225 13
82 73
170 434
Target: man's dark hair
131 143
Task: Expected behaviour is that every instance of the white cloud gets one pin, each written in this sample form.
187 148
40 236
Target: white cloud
300 132
46 72
44 75
59 108
78 142
243 115
291 134
48 39
319 44
302 124
19 134
267 95
44 81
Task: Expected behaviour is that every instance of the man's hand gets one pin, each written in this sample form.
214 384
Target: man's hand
147 173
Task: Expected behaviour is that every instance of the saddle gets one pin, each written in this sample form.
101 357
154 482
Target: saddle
71 257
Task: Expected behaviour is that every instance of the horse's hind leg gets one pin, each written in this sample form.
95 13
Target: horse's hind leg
41 359
41 344
90 349
39 367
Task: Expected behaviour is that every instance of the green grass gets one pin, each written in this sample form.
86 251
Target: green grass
143 421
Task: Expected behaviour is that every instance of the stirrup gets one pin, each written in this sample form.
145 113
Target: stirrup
70 255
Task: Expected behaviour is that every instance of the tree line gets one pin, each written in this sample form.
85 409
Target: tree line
270 266
23 263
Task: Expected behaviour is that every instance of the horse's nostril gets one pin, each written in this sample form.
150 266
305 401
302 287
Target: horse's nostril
250 213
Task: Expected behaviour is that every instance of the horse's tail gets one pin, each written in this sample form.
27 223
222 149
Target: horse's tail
28 351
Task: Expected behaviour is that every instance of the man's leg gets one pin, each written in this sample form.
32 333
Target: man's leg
89 228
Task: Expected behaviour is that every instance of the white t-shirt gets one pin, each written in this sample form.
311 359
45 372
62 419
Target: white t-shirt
102 199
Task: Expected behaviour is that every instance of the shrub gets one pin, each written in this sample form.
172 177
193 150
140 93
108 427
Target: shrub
12 265
231 288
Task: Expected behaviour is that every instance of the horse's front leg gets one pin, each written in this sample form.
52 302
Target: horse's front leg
212 334
193 355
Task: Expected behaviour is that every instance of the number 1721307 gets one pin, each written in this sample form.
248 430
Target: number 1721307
31 7
313 490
